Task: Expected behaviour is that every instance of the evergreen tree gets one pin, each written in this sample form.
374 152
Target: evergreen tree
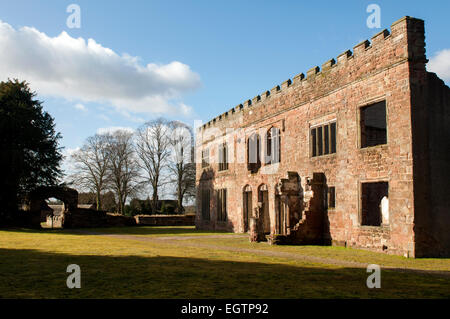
29 151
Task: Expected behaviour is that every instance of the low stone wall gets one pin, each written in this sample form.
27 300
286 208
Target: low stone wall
85 218
165 220
117 220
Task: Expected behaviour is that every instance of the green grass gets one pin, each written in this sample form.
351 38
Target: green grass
33 265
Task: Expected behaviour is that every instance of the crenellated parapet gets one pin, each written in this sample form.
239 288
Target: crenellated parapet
401 31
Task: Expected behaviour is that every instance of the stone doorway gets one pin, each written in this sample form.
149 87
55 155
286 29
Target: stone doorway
247 207
280 215
263 198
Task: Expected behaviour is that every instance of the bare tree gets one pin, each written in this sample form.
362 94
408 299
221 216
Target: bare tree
123 171
182 166
91 163
153 150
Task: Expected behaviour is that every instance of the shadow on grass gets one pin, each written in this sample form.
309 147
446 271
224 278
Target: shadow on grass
37 274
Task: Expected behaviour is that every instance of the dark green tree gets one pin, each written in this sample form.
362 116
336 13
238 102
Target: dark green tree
29 151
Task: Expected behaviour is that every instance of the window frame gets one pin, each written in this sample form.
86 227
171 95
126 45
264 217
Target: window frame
205 163
254 167
223 157
206 213
314 135
329 188
221 200
360 201
270 149
359 119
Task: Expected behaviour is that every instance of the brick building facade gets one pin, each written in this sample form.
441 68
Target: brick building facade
355 153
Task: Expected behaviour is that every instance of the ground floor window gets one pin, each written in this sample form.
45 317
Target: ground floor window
205 204
331 197
222 205
373 197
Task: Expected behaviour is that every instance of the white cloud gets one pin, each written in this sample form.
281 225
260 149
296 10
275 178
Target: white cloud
80 107
112 129
440 64
76 69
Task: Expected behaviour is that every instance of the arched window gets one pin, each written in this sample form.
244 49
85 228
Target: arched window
253 153
273 149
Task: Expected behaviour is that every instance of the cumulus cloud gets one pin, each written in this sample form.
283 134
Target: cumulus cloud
76 69
112 129
440 64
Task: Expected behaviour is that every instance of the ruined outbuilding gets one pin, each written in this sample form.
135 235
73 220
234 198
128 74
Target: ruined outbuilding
355 153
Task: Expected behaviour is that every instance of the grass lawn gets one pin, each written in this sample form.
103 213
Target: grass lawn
180 262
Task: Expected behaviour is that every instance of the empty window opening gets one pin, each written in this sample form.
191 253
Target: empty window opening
247 212
206 204
253 153
223 157
273 149
372 195
222 205
205 158
373 125
323 139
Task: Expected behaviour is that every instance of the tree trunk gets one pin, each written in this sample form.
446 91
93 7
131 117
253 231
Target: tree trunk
155 200
99 201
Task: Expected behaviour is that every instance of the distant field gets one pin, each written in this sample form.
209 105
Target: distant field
180 262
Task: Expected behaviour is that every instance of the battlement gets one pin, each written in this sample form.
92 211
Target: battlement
406 33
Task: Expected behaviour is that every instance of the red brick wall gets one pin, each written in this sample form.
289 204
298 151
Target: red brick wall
376 72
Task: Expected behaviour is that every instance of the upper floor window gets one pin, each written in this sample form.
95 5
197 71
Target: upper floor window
273 146
323 139
205 158
253 153
223 157
373 124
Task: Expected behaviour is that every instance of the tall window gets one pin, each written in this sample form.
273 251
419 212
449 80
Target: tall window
253 153
273 146
206 204
222 205
205 158
373 125
223 157
323 139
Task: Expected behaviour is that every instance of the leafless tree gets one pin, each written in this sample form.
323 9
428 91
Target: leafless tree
123 171
153 150
181 165
91 163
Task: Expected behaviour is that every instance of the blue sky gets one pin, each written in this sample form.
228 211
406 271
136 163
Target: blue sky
226 52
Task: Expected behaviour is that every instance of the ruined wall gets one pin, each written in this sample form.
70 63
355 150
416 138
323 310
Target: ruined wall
374 72
431 122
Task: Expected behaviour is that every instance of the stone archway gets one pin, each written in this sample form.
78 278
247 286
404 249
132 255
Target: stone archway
35 202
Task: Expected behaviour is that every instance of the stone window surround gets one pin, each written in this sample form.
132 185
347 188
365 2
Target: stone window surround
361 105
363 181
321 124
